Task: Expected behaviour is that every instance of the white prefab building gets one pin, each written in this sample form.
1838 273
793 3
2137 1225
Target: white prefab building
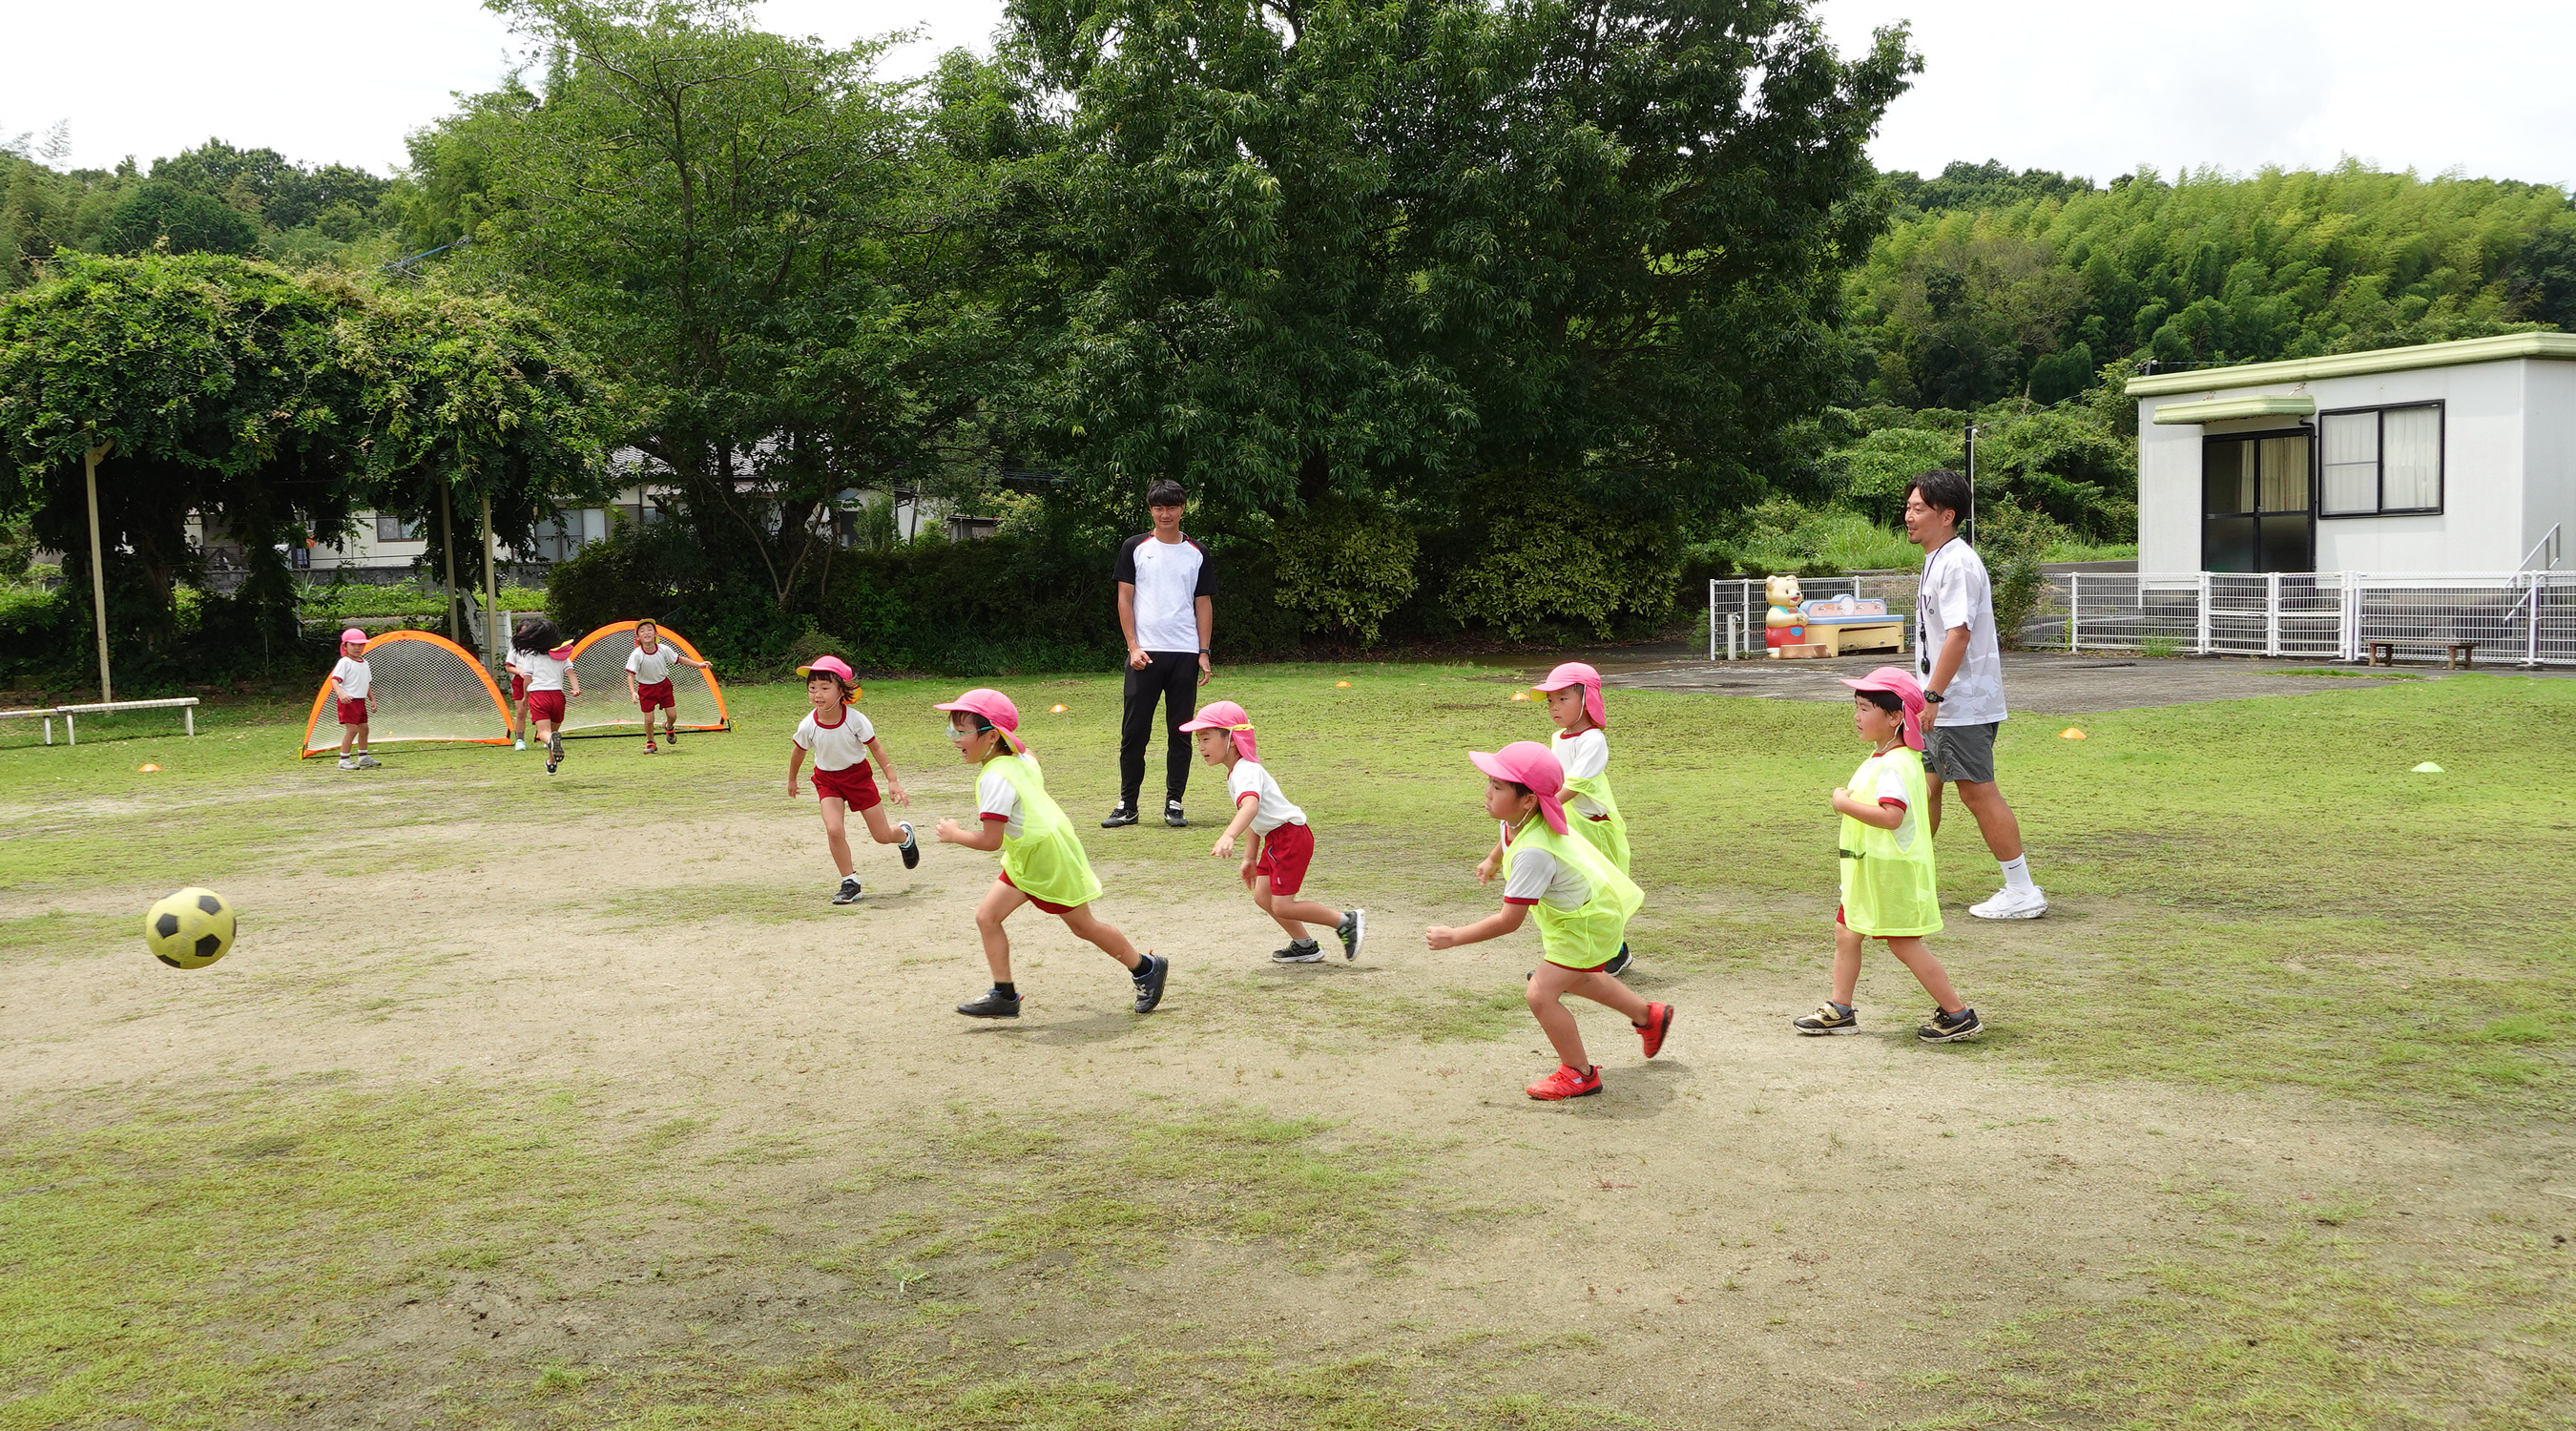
2456 458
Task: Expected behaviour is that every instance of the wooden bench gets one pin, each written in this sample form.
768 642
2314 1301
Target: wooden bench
42 713
2459 655
185 705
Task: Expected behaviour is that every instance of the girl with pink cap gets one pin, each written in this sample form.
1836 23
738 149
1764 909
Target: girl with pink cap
1888 877
351 683
1042 859
1582 748
1274 864
843 741
1583 903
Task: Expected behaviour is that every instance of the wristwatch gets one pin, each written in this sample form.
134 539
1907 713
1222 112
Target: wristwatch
1932 698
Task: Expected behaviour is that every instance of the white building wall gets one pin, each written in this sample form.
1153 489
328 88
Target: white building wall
2168 491
2549 458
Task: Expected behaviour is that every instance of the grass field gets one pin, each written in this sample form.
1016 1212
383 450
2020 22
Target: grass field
570 1102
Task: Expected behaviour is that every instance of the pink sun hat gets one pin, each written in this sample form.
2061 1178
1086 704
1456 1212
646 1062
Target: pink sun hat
1576 673
993 706
1534 765
1226 715
1898 682
353 637
834 666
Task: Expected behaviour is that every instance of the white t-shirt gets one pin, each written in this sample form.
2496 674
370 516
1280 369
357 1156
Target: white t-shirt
1583 757
836 747
1889 786
996 796
354 678
1169 577
1537 875
544 672
1955 593
1248 778
653 667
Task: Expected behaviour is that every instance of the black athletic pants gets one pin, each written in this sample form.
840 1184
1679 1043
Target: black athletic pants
1171 677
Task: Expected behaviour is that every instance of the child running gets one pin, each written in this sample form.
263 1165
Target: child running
1582 747
842 746
351 682
648 681
1042 859
518 704
540 653
1887 871
1583 904
1274 864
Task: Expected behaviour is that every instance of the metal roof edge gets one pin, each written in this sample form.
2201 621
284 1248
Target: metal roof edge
2503 347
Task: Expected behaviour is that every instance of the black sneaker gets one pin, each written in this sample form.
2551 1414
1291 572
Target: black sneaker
1299 951
1619 963
672 735
849 891
1829 1018
1173 817
993 1005
1123 815
1353 929
911 845
554 746
1149 977
1950 1028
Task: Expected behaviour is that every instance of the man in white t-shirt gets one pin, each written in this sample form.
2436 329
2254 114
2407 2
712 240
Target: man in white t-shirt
1961 665
1167 608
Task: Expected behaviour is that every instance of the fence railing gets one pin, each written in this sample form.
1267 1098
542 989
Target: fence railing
2511 618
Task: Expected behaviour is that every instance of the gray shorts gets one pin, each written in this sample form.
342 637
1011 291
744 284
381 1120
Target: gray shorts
1961 752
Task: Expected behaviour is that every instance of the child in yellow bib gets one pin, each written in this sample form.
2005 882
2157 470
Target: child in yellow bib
1583 904
1042 859
1889 881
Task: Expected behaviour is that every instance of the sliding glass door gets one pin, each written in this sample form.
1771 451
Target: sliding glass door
2254 504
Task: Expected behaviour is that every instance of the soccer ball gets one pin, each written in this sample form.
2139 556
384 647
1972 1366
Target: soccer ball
190 929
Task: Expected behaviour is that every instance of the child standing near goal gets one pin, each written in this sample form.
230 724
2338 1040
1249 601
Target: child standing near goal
648 681
1583 905
1042 859
540 653
1888 877
1274 864
842 746
351 685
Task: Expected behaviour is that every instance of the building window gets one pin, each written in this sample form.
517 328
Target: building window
395 529
2379 461
2254 503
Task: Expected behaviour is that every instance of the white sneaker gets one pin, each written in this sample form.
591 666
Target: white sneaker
367 762
2010 903
347 764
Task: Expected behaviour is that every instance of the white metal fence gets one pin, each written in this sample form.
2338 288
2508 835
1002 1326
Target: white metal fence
2510 618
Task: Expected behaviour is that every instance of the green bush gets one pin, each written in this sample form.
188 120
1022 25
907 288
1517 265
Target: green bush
1343 568
1549 559
2014 540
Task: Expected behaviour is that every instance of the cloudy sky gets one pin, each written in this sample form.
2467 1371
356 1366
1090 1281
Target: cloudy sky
2093 89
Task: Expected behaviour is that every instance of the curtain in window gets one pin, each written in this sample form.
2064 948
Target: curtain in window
2284 465
2351 462
2411 475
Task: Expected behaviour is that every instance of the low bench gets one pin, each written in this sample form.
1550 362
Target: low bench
2457 655
1844 623
42 713
185 705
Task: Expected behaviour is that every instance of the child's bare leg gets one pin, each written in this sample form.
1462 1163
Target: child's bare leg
835 809
348 733
996 906
1847 942
1600 988
1927 972
1546 984
881 829
1272 905
1089 926
1284 908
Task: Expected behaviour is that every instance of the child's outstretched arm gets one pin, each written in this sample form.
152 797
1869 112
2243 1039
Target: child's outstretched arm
987 837
1245 806
1493 926
795 759
1884 817
894 783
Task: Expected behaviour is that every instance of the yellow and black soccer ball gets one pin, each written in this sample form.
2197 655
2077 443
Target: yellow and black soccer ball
190 929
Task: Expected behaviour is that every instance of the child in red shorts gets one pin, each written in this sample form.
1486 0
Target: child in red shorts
648 680
842 746
1274 865
541 654
351 684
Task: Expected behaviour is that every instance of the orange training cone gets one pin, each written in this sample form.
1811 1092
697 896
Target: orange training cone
1341 685
1056 709
146 769
2070 733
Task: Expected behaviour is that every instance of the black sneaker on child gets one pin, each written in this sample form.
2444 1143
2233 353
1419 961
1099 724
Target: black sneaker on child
1149 977
849 892
911 846
1299 951
1173 817
1829 1018
1123 815
1950 1028
1619 962
672 735
1352 930
993 1004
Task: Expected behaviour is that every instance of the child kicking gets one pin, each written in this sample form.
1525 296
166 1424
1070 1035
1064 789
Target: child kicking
1583 905
1888 878
351 683
1274 864
648 681
1042 859
843 742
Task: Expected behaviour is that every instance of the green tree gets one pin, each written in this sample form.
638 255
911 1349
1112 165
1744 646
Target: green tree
162 217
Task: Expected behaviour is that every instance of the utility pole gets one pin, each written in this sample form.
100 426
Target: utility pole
447 540
1968 528
97 567
491 593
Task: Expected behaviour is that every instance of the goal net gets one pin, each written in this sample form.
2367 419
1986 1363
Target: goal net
421 686
605 708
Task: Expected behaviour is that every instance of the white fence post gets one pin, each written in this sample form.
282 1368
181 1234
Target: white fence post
2348 616
2531 625
1734 635
2074 612
2202 645
1712 618
2272 614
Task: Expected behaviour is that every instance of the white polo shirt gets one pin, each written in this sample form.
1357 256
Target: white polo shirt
1169 577
1273 811
354 678
1956 592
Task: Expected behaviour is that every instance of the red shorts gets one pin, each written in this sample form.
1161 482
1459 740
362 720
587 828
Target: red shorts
1284 854
353 712
518 689
546 705
856 785
657 696
1044 906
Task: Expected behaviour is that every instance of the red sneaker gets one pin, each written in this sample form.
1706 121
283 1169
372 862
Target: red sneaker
1566 1083
651 749
1659 1022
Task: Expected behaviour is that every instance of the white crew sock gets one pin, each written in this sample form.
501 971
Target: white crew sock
2017 872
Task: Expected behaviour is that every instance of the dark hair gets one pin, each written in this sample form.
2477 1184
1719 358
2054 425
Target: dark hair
1944 489
536 634
1164 492
1888 701
1525 790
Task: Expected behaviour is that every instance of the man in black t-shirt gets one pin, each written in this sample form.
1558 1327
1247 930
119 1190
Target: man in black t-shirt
1167 608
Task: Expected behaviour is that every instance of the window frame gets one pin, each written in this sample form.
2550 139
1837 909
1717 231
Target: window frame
2441 461
2314 436
399 524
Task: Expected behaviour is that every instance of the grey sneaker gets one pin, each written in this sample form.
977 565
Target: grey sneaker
1299 951
1353 930
368 762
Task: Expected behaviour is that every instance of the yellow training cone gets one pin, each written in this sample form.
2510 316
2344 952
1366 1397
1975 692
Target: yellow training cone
1341 685
1057 709
147 769
2070 733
